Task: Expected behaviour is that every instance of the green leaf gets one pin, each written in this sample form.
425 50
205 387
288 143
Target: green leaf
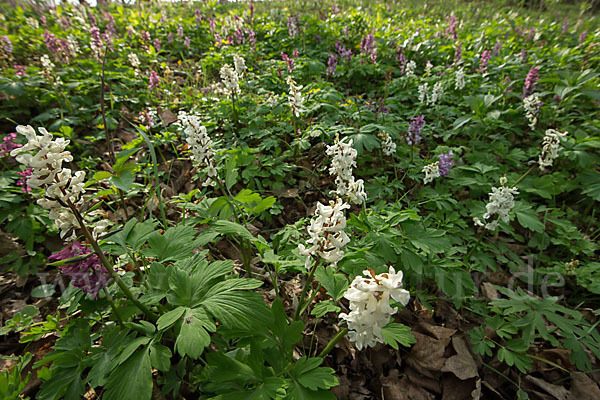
160 357
247 196
229 227
590 181
395 334
529 219
334 284
289 333
46 290
461 121
225 369
169 318
193 337
364 141
123 180
231 172
235 308
132 379
307 372
175 244
181 287
324 307
299 392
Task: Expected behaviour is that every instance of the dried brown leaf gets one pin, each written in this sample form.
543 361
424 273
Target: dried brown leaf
558 392
583 387
462 364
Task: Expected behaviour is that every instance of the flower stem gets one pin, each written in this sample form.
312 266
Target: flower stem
305 289
468 256
113 306
108 265
333 342
525 174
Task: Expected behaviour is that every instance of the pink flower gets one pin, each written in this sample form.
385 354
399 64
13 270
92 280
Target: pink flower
154 80
88 274
23 181
20 70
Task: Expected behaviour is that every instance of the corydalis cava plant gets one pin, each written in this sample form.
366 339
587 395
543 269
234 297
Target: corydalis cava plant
550 148
200 144
61 188
344 160
501 201
295 97
327 236
370 308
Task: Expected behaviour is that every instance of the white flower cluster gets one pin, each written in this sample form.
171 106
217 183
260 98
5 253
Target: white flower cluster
133 60
73 45
32 23
200 144
45 157
370 308
500 203
428 67
344 160
295 96
431 172
327 236
240 66
550 147
423 89
532 106
231 80
47 65
460 79
410 69
436 93
387 144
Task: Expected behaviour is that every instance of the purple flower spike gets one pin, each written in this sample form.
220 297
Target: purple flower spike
88 274
445 163
414 130
532 77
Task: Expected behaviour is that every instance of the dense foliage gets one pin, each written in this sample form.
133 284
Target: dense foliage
237 201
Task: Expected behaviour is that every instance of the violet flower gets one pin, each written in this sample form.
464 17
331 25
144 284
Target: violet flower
484 60
331 64
88 274
154 80
251 37
7 46
8 144
445 163
458 53
50 41
288 60
451 29
20 70
239 36
497 48
414 130
22 182
342 51
368 47
532 77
